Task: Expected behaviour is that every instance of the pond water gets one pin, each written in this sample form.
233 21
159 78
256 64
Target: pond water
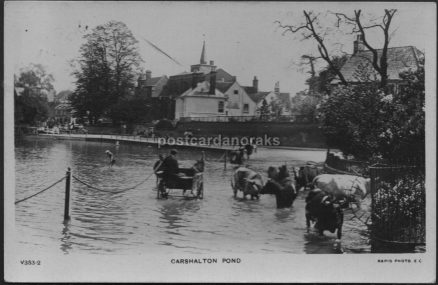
136 222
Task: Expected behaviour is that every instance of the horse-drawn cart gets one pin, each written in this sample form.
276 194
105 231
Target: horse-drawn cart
189 180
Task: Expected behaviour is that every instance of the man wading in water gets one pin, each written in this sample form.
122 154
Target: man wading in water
110 157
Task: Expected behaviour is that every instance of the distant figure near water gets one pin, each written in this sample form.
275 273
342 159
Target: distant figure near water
111 158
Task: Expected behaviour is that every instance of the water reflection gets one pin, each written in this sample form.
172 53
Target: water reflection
135 221
175 212
66 243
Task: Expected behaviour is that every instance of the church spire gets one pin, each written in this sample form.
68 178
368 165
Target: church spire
202 61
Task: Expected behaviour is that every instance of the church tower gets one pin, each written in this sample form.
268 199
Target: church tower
203 66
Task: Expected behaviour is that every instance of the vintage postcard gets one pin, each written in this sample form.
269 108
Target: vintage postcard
220 141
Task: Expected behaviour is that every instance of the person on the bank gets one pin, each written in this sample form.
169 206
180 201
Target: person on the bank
111 158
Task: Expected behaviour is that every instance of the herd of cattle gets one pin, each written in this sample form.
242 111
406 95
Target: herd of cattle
328 195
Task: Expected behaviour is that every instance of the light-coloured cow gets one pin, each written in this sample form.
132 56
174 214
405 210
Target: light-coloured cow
354 188
248 181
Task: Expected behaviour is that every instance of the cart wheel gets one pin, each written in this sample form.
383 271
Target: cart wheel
160 190
201 191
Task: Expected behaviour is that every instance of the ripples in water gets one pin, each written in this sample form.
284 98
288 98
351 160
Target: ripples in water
135 221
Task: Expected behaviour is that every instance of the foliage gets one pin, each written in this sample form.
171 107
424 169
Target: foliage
321 83
105 70
276 107
399 205
406 123
31 104
264 109
35 77
364 121
306 103
164 125
135 110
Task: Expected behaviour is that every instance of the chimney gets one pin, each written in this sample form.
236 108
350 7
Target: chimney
211 62
277 87
148 74
358 44
255 84
212 82
234 78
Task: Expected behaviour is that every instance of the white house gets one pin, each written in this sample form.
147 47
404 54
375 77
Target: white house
213 92
281 98
202 101
239 103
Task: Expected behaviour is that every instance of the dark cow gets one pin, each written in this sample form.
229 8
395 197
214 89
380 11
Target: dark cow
306 174
322 209
247 181
281 185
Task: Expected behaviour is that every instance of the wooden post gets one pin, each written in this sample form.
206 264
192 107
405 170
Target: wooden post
225 159
203 156
67 195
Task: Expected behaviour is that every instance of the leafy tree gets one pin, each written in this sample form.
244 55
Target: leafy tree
135 110
106 69
34 77
405 134
31 104
306 103
276 107
364 121
264 109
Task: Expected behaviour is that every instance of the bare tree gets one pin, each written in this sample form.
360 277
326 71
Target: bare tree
379 62
309 60
309 30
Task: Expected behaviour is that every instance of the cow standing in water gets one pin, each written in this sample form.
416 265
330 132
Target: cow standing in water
281 185
306 174
247 181
344 187
322 209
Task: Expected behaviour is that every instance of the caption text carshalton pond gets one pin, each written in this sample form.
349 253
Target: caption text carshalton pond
204 260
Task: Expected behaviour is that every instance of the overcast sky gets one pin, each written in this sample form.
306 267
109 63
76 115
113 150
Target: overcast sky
241 38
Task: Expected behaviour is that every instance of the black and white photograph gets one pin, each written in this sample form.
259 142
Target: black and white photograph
219 141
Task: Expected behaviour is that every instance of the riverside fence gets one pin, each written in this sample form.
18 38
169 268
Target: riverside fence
69 178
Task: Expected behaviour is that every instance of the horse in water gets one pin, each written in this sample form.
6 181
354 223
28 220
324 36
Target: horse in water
282 185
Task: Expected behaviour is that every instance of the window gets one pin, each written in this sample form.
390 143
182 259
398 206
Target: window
236 92
245 108
220 107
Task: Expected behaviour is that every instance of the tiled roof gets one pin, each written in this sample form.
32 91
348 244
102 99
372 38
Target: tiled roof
223 86
249 89
153 81
259 96
399 58
202 90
